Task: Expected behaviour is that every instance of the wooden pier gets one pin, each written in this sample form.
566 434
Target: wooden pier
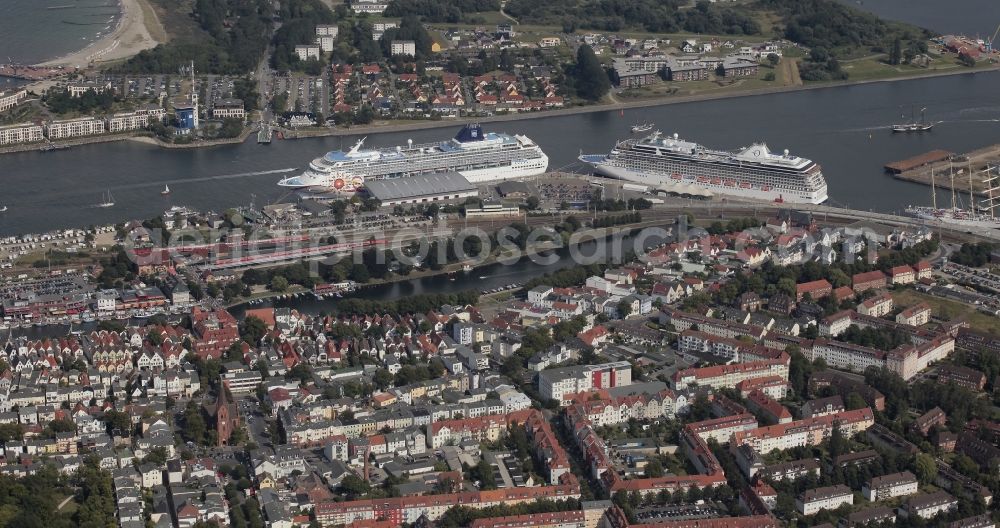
927 158
943 164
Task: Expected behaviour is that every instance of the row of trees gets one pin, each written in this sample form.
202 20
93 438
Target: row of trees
821 65
450 11
834 25
975 255
608 221
61 102
734 226
656 16
407 305
959 403
880 338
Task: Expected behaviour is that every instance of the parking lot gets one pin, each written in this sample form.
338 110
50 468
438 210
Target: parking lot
304 93
681 512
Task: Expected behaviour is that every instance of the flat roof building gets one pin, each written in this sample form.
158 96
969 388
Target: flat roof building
421 189
20 133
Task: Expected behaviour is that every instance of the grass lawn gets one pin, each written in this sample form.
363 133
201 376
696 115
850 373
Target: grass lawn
20 114
949 310
70 507
60 259
874 68
175 16
697 87
153 25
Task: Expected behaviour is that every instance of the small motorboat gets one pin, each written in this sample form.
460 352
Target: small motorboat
644 127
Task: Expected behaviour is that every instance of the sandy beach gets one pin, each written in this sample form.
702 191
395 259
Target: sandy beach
127 39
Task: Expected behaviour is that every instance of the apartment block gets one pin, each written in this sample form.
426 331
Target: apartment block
20 133
828 498
556 383
84 126
889 486
807 432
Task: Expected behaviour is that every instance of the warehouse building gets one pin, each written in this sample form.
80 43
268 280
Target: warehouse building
421 189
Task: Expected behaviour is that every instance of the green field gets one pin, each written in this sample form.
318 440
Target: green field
949 310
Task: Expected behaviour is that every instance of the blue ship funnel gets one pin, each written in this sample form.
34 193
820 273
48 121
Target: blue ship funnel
470 133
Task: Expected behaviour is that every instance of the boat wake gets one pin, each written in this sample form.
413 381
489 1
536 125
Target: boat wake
206 178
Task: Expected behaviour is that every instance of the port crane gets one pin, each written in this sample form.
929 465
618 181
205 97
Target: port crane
989 43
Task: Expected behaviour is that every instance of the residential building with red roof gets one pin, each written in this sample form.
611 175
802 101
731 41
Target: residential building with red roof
923 269
763 404
902 275
721 429
807 432
816 289
877 306
916 315
773 386
843 293
723 376
563 519
216 330
871 280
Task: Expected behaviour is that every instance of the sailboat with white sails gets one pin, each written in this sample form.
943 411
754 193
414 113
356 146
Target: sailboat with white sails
982 215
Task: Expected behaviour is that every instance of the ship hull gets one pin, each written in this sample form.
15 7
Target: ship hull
664 182
951 220
335 182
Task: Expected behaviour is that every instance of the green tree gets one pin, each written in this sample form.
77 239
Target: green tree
896 53
654 468
95 496
194 424
279 283
382 379
591 80
483 472
253 330
854 401
924 468
157 456
118 421
354 486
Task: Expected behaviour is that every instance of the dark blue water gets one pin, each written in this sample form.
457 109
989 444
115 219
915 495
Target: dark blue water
843 128
963 17
34 31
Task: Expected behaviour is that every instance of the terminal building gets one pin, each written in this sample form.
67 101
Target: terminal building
228 109
424 188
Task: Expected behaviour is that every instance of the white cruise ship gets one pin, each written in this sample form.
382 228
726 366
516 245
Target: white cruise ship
480 157
673 165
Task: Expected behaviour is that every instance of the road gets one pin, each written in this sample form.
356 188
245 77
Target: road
253 417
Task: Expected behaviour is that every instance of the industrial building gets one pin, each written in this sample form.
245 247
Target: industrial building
421 189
